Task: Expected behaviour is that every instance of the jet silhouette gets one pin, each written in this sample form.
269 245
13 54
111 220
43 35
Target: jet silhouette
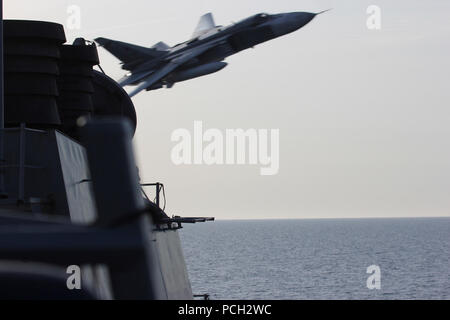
163 66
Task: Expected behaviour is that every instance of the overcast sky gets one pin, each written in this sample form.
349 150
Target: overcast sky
363 114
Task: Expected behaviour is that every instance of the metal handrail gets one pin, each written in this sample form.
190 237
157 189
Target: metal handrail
159 187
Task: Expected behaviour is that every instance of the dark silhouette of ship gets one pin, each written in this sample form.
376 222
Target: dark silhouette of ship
70 195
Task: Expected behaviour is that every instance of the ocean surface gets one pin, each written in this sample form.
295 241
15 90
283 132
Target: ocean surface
319 259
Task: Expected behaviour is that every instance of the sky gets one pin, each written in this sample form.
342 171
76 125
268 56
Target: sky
362 114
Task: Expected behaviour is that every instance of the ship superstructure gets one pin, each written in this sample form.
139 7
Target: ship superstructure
70 191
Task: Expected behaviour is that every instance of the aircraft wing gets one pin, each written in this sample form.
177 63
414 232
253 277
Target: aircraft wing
171 66
127 52
133 78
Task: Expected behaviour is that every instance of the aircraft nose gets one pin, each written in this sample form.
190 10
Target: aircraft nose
300 19
290 22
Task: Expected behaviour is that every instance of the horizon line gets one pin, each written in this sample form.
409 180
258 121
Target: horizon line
340 218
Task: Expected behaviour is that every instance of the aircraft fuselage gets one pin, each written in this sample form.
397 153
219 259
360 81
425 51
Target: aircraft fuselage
199 56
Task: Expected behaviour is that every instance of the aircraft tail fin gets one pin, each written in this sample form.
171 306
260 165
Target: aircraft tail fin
205 24
127 52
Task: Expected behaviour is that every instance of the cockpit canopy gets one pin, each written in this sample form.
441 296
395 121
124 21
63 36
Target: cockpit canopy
261 18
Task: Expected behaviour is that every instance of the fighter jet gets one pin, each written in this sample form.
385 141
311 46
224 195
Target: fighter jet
163 66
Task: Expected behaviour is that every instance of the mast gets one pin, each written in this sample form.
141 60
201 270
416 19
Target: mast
2 109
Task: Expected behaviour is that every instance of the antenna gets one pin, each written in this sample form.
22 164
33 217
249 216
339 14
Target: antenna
324 11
